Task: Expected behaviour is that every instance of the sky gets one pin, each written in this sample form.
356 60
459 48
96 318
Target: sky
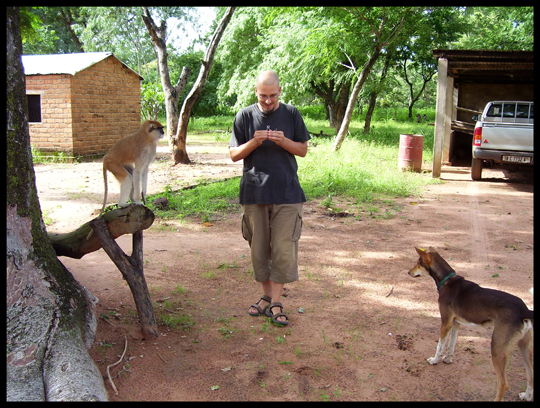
182 39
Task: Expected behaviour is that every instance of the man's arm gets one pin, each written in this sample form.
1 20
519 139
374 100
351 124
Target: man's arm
296 148
242 151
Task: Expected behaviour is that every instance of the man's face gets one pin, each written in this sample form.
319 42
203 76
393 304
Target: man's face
268 96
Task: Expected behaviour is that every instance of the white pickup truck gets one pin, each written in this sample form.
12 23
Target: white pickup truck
503 134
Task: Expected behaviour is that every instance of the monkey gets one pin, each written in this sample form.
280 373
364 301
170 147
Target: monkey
128 160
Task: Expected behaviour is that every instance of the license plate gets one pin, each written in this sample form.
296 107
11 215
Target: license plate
517 159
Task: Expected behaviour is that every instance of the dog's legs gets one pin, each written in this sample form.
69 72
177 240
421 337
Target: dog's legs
452 343
526 345
446 326
500 344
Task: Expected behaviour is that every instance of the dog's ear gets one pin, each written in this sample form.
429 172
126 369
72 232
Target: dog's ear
420 251
426 256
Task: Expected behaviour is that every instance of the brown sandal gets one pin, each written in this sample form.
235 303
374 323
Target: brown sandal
274 316
256 306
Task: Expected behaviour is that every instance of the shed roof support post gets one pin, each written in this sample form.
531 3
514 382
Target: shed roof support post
450 115
440 116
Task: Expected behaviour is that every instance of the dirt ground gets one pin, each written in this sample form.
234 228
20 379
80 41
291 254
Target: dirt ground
360 328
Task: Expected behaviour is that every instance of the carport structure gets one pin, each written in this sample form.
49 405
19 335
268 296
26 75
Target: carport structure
467 80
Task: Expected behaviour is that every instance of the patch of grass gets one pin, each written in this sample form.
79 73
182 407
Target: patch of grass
181 322
47 217
218 122
169 315
209 275
179 290
365 169
226 331
204 200
39 156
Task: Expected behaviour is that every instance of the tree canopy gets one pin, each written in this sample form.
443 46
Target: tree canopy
319 52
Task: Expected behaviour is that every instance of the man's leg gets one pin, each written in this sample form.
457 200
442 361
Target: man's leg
273 232
285 230
274 290
256 230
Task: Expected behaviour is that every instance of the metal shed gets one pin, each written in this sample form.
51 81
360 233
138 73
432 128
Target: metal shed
467 80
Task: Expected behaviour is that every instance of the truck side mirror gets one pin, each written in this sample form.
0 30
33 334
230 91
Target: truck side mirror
475 117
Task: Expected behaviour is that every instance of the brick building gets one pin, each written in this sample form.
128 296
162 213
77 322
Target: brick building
80 104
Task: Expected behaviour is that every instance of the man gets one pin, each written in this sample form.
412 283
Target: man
267 136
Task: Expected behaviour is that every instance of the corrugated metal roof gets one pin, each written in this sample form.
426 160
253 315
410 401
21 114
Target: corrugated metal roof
488 66
64 63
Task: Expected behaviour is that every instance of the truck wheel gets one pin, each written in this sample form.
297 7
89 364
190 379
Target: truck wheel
476 169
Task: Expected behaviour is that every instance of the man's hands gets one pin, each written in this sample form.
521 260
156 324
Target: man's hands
276 136
260 136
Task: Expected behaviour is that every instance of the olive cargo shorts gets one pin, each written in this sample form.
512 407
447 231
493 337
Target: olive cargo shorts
273 231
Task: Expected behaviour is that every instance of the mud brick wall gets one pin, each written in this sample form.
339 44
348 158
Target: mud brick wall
85 114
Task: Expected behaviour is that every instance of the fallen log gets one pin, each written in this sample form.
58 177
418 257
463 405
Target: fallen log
321 134
82 241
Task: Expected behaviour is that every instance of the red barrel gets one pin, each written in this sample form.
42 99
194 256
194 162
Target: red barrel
410 152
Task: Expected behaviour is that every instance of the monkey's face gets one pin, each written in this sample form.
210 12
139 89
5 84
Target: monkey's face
156 129
160 132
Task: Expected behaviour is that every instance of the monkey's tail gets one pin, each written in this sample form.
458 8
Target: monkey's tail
105 194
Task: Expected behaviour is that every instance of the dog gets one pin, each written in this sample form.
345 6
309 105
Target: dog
464 302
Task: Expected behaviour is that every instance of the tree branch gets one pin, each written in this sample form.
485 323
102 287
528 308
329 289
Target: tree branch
131 268
182 81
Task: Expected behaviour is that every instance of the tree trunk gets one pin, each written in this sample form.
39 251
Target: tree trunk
334 107
82 241
172 93
379 44
50 322
369 113
67 19
171 108
352 100
341 105
412 98
179 148
373 98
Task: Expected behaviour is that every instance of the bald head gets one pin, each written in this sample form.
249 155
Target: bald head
268 78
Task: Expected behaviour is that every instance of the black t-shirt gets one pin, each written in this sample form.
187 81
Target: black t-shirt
270 172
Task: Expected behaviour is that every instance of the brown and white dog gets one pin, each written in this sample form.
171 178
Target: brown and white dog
463 301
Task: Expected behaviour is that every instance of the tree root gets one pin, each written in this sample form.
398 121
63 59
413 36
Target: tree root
112 365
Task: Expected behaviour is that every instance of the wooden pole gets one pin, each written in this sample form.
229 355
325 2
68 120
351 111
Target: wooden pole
440 115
